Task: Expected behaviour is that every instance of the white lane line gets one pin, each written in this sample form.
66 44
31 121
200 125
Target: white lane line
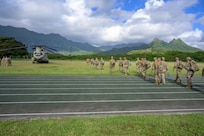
102 112
66 84
102 101
72 94
76 81
102 88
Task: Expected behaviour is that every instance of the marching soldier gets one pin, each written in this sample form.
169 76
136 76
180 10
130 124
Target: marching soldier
163 68
125 66
120 64
112 65
144 66
96 63
102 62
138 64
178 66
155 68
88 61
92 62
191 67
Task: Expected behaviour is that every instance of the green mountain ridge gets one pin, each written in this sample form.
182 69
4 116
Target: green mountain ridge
156 46
52 40
68 47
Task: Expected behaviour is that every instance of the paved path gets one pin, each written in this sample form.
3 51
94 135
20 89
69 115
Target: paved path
44 96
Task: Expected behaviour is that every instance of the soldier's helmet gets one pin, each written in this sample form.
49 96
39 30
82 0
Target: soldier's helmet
155 58
176 58
111 57
124 58
163 58
188 58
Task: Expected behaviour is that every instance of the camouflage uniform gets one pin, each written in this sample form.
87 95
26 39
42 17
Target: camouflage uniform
92 62
96 63
88 61
120 64
102 62
178 66
190 66
138 64
155 68
125 66
162 70
144 66
112 65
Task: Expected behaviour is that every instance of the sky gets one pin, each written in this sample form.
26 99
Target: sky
109 22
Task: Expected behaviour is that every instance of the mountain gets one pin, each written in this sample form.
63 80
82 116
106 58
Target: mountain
156 46
159 46
52 40
124 50
67 47
127 45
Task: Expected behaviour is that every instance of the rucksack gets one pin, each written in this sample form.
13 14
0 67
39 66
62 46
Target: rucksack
195 67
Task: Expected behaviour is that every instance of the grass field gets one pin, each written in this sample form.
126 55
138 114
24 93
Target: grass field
67 67
144 125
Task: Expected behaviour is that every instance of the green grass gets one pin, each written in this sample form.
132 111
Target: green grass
67 67
143 125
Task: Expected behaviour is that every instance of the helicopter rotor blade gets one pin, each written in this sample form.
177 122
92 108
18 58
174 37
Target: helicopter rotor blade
13 48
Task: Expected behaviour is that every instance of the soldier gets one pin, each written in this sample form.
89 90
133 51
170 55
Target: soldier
144 66
138 63
155 68
191 67
102 62
112 65
88 61
163 68
96 63
92 62
125 66
178 66
120 64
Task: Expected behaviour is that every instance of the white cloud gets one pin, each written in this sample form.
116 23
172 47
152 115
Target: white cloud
102 22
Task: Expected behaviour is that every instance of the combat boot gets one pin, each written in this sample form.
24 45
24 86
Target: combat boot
189 86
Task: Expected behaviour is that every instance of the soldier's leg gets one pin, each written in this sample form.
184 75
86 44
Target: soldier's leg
163 79
156 78
188 78
179 77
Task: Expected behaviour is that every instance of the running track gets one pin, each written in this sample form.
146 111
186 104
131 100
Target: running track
44 96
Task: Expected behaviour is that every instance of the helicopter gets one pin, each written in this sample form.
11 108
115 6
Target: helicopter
40 54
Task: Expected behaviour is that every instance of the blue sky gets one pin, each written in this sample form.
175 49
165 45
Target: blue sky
109 22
